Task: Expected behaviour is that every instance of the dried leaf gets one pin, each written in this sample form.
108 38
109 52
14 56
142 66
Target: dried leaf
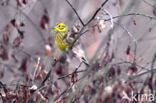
60 70
21 3
17 25
128 50
132 69
111 72
118 70
134 22
3 53
13 22
23 66
1 74
6 34
17 42
44 20
154 11
21 33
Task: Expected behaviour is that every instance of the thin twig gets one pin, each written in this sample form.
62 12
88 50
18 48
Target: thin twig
96 12
135 14
83 28
68 89
75 71
30 20
148 3
37 67
152 65
67 75
134 40
75 12
141 74
65 91
126 30
111 17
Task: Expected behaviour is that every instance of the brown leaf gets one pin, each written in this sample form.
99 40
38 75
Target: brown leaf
111 72
23 66
22 24
73 78
17 42
118 70
13 22
128 50
21 33
154 11
134 22
3 53
6 34
21 3
17 26
132 69
44 20
60 70
1 74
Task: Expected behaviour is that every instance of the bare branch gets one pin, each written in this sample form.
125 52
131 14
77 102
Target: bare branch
75 71
96 12
75 12
135 14
81 31
141 74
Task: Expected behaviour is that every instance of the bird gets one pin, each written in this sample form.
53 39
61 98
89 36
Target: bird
62 40
60 33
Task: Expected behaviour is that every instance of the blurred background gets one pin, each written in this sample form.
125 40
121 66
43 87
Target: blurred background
26 33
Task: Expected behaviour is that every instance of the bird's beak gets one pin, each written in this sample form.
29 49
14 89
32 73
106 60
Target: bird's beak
51 28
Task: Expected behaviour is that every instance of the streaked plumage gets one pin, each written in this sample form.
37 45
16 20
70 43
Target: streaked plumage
62 41
60 31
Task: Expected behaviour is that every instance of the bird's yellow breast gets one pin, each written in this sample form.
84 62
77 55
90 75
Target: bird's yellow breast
59 42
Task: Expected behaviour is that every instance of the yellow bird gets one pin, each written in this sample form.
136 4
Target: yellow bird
62 41
59 36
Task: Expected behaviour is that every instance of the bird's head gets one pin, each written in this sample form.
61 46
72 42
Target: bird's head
60 27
